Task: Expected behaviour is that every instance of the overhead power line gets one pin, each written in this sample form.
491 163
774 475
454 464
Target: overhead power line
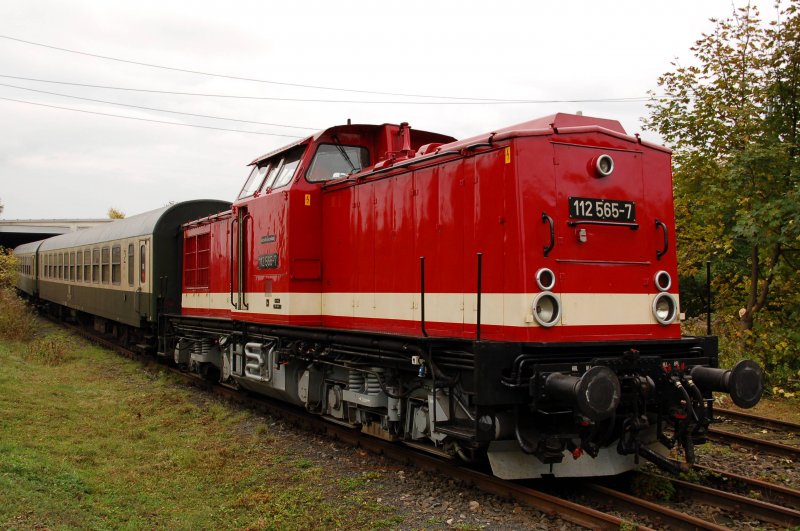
255 80
158 110
313 100
150 120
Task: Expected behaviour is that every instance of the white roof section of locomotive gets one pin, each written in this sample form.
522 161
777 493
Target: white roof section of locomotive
553 124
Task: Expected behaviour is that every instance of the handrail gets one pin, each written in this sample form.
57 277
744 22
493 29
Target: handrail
632 226
663 251
234 221
548 219
242 277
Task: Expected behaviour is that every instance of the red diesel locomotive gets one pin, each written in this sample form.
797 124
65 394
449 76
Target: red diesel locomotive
512 295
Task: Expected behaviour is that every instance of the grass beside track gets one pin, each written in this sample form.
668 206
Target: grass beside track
91 440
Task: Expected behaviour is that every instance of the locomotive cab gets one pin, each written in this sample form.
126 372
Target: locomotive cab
276 231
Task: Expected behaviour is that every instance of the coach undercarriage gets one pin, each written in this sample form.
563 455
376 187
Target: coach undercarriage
531 412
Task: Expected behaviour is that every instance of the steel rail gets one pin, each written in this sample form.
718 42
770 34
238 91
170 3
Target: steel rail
761 445
761 510
676 519
760 421
773 492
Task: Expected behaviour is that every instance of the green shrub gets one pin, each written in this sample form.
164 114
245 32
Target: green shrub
8 268
17 322
52 349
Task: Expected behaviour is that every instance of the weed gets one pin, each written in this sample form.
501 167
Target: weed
303 463
17 322
653 487
54 349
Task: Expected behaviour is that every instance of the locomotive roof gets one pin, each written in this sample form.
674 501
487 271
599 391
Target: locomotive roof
138 225
556 123
360 127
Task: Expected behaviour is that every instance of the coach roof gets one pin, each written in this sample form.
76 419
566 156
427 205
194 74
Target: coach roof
139 225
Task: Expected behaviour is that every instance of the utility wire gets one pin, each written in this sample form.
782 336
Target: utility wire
273 98
150 120
158 110
210 74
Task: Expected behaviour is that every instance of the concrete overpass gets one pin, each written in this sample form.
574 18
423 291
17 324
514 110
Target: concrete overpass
15 232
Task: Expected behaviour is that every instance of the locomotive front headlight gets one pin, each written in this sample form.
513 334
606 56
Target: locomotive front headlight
663 280
604 165
546 309
665 309
545 279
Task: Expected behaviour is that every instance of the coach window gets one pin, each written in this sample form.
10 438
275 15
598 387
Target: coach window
60 265
104 265
131 260
87 266
116 267
95 265
72 267
142 263
332 161
79 267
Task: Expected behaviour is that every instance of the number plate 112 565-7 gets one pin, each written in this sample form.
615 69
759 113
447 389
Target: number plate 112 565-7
602 209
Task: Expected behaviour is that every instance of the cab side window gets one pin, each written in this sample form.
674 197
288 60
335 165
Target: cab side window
282 168
332 161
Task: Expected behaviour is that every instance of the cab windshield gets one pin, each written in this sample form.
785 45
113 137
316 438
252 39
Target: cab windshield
254 179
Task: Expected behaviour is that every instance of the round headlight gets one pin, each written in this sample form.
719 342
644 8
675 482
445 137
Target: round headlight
663 281
665 309
604 165
546 309
545 279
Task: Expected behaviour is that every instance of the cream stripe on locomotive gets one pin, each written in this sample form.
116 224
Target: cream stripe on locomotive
502 309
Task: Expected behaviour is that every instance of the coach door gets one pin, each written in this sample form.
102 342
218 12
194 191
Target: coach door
141 300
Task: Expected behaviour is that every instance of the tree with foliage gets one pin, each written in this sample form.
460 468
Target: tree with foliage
113 213
732 118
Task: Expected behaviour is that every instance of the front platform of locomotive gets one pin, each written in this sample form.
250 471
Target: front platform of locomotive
599 371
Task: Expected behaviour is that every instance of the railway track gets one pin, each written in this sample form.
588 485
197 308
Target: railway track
756 443
547 503
765 422
770 492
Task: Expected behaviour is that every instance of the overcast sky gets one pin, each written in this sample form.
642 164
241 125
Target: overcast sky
57 163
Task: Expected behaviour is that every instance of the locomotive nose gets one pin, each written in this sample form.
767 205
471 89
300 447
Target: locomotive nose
596 394
745 382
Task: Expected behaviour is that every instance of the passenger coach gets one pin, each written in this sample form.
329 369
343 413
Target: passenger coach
126 271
